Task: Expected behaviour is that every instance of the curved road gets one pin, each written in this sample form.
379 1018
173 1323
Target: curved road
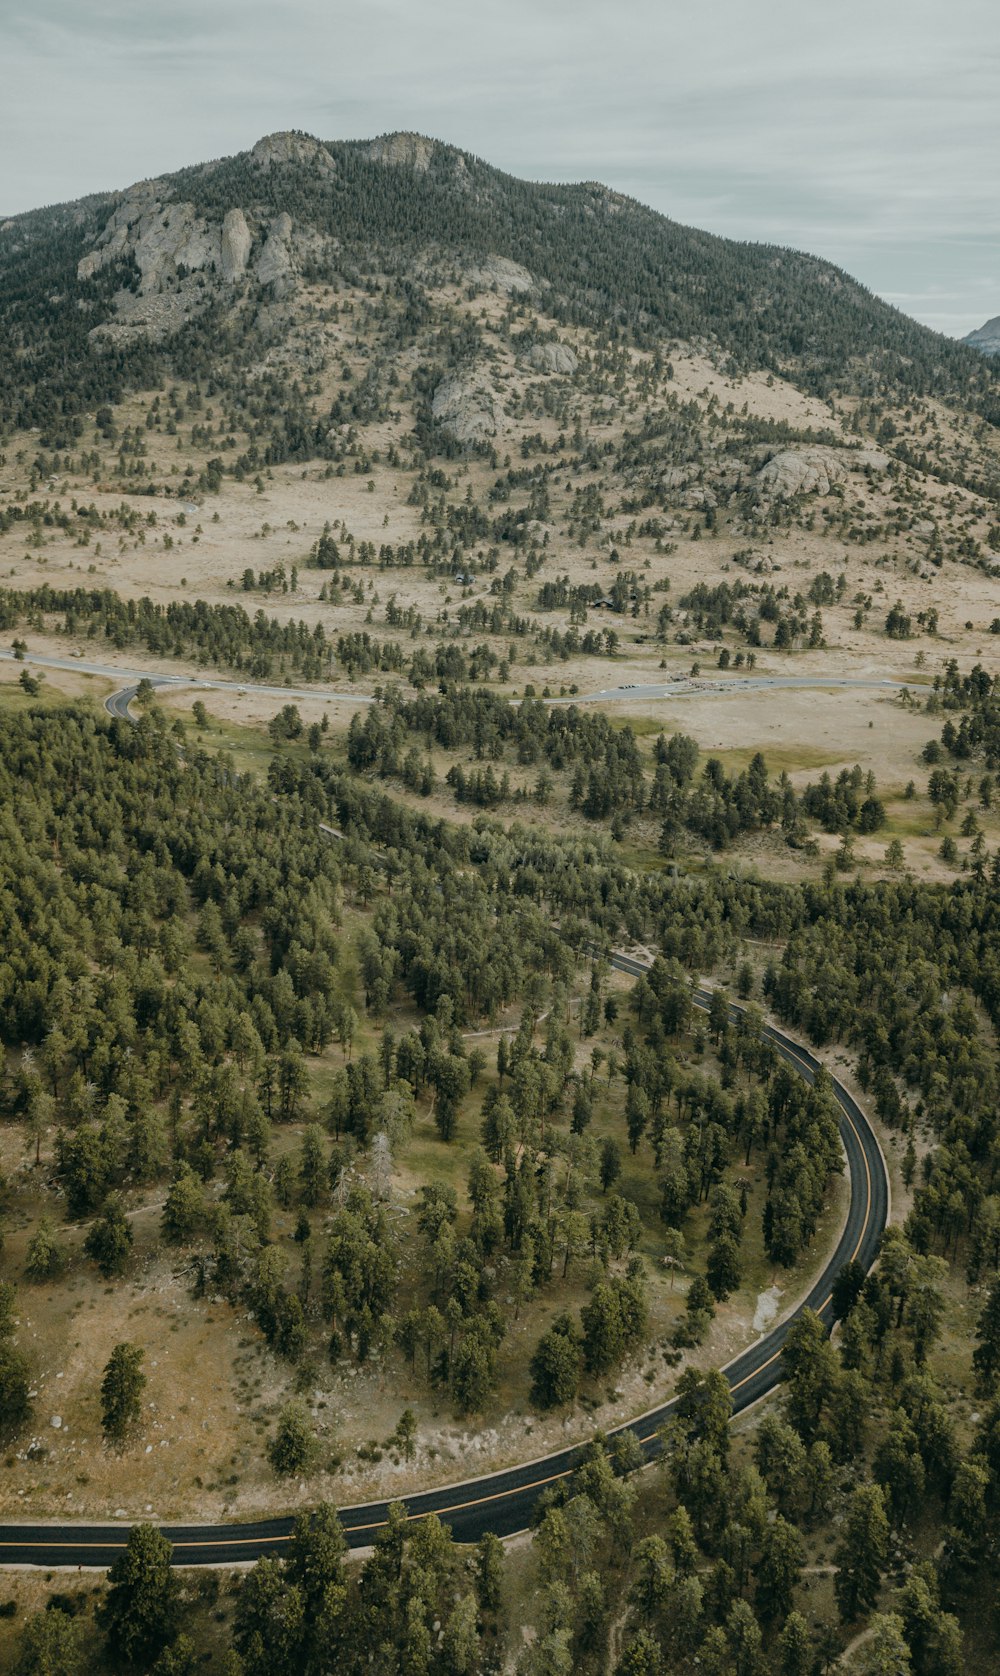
682 686
502 1502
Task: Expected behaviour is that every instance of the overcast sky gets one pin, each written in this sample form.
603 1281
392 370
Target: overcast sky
867 131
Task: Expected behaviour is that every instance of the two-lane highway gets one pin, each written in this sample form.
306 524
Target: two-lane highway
679 686
502 1502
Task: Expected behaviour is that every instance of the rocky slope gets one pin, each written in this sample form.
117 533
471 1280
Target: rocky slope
115 291
987 338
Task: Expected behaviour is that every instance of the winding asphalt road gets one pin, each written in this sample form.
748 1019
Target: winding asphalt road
681 687
502 1502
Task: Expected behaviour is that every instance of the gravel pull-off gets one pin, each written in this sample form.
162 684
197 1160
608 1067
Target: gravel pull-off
767 1309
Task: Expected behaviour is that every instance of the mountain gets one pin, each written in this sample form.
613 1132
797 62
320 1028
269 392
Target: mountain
987 338
190 271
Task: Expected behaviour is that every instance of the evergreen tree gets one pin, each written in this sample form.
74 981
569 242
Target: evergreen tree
293 1445
139 1613
556 1364
862 1553
122 1386
109 1241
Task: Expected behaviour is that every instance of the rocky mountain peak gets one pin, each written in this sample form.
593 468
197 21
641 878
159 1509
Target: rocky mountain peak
403 150
987 338
289 146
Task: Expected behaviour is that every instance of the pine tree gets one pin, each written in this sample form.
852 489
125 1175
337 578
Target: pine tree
293 1445
862 1553
109 1241
184 1206
44 1258
139 1614
555 1366
121 1391
986 1356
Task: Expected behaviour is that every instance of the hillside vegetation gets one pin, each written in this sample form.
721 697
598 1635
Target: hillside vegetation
560 580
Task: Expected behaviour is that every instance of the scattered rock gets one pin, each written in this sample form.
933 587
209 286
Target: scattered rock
56 1422
767 1309
675 477
153 318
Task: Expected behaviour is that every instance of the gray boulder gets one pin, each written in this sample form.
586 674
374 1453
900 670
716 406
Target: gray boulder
813 471
552 357
508 277
467 407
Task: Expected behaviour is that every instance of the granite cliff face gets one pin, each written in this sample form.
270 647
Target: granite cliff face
236 244
186 258
274 150
408 151
503 275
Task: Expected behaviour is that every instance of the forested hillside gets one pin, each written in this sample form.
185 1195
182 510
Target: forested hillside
600 259
169 988
486 578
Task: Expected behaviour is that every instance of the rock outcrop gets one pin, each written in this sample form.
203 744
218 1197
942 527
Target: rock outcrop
274 264
287 147
413 151
813 471
508 277
152 318
987 338
236 243
467 407
166 239
186 258
552 357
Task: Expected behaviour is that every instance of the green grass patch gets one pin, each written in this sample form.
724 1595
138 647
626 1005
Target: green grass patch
15 701
789 759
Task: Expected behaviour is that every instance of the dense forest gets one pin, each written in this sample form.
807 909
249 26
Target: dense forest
170 972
